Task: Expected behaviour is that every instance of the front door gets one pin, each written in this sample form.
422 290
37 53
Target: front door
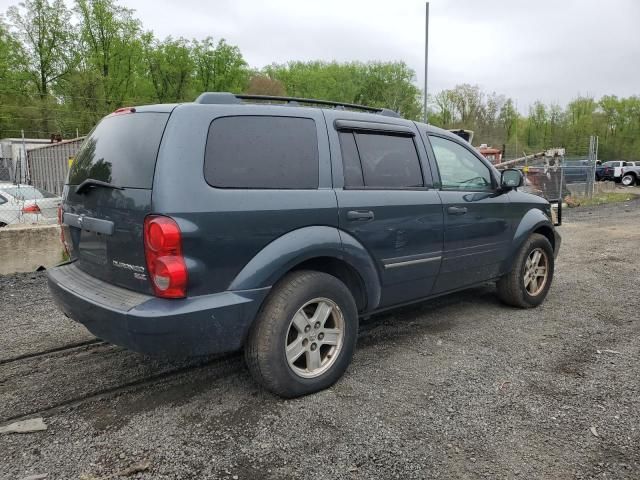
477 231
388 205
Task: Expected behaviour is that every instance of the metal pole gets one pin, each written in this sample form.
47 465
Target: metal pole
23 161
426 59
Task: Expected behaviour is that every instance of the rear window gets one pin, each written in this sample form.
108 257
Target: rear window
121 150
262 152
26 193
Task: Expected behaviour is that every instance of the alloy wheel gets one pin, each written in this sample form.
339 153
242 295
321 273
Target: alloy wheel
536 272
315 337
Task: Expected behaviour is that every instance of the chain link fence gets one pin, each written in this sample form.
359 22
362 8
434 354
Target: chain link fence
27 205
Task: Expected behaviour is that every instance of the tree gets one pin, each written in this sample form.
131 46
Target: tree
110 42
169 68
218 68
47 34
508 117
263 85
378 84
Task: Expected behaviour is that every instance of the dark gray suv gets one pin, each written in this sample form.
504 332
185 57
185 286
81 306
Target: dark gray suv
272 225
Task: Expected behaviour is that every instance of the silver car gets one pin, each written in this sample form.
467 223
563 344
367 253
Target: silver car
26 204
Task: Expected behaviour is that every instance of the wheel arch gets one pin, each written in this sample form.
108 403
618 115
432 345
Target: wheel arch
534 221
320 248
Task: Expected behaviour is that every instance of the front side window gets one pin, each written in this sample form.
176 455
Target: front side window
459 168
262 152
376 160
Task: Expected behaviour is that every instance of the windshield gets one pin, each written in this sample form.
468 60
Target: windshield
121 150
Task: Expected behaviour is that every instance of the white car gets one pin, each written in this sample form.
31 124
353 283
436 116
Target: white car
26 204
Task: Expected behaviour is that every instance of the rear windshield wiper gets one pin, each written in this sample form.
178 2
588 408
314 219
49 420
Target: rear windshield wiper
90 182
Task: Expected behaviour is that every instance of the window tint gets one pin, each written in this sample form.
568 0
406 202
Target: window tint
262 152
350 160
121 150
459 168
388 161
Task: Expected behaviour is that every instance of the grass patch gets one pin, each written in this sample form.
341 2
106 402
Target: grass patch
601 199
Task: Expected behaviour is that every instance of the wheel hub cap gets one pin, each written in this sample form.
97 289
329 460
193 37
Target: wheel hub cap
314 338
536 271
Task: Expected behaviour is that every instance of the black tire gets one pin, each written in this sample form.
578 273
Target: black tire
511 287
2 224
265 347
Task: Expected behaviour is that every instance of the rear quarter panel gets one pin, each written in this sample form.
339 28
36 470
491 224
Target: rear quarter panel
223 229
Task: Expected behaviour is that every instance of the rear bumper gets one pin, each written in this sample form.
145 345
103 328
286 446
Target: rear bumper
187 327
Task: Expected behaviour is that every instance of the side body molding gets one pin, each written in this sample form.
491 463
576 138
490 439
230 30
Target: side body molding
297 246
531 221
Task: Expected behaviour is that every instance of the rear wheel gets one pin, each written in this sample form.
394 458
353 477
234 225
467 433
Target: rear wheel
304 336
528 282
628 180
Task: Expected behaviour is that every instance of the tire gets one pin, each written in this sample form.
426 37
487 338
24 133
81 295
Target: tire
2 224
511 288
303 295
628 180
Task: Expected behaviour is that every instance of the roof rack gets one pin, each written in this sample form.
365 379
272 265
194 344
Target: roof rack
230 98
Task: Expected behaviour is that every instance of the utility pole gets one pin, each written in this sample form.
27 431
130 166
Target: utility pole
426 59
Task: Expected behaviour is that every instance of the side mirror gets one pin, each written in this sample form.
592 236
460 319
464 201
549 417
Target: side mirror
511 178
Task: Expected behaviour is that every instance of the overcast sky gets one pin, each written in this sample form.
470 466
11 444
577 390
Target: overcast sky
550 50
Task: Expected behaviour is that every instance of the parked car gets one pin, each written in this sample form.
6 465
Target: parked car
223 224
612 170
630 175
26 204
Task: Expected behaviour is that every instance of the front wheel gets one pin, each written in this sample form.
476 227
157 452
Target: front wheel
304 336
528 282
628 180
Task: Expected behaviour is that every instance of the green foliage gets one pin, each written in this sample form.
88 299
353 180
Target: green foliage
495 121
379 84
62 69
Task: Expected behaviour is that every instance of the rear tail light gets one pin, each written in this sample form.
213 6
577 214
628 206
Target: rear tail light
31 209
163 252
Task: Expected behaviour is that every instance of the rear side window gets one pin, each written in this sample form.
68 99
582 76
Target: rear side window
377 160
121 150
262 152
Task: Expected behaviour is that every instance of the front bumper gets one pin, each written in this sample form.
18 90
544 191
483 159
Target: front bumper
193 326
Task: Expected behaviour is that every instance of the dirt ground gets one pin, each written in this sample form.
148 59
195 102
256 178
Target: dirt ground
459 387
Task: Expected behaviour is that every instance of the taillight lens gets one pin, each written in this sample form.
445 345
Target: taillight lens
31 209
163 252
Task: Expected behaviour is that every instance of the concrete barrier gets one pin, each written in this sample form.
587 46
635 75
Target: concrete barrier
25 248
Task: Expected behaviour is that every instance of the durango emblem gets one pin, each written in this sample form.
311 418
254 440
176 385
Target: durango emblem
127 266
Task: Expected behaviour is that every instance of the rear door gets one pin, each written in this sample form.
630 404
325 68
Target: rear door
386 202
105 220
477 228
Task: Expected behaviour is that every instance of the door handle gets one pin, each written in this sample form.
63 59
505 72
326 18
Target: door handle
360 215
457 210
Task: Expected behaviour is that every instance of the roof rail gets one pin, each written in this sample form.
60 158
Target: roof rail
230 98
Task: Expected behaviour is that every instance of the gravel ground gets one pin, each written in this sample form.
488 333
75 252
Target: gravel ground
459 387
